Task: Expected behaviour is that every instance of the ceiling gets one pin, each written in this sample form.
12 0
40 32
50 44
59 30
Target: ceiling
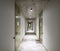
31 8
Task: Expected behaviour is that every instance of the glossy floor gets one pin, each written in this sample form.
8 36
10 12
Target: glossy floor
31 44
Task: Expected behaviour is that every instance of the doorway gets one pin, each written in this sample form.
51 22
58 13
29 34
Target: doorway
27 28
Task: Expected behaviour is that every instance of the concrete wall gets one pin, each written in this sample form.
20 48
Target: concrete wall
51 26
22 27
7 25
37 26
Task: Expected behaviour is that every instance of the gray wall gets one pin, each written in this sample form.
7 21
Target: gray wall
7 25
51 26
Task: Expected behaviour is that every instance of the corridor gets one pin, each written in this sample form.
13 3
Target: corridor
29 25
51 25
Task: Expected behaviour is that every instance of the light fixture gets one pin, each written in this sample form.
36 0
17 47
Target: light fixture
31 9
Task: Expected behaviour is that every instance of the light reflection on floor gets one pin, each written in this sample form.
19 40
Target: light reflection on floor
31 44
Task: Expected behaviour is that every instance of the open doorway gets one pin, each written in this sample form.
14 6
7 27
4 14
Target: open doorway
28 26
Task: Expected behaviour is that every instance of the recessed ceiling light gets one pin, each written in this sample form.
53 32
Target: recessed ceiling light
31 9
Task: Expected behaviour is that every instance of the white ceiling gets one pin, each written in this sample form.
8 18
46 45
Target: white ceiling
36 5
